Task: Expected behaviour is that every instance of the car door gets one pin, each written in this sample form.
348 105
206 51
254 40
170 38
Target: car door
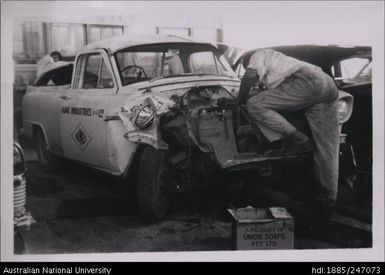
83 129
50 87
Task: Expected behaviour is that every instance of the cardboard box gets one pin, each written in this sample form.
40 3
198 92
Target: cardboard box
261 229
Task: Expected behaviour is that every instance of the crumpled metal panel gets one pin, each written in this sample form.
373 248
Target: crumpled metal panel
216 134
150 135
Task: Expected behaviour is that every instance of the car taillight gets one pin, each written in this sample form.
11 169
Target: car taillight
345 108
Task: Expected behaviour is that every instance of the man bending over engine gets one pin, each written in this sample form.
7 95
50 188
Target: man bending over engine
292 85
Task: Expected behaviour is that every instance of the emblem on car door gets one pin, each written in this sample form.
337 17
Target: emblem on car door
81 137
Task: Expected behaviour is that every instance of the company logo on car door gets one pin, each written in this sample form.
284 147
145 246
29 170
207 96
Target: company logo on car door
81 137
82 111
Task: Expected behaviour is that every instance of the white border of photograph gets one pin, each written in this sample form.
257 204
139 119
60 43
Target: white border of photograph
268 31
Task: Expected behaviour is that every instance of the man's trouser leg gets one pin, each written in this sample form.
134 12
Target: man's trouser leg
324 125
318 95
295 93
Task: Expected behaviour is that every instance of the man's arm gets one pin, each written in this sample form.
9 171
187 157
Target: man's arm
248 80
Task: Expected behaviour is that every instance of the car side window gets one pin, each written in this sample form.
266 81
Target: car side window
91 72
96 74
352 70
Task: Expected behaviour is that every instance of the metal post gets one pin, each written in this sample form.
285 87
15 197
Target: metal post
47 37
219 35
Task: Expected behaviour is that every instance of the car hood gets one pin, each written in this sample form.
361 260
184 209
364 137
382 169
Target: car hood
175 83
320 55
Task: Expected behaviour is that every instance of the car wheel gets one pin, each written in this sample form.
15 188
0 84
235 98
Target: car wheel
47 161
153 198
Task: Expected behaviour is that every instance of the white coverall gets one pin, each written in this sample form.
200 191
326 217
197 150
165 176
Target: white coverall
43 63
294 85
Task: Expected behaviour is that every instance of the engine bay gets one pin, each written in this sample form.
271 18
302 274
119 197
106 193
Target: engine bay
222 133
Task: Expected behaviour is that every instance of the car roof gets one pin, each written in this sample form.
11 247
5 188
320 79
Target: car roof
117 43
319 55
54 66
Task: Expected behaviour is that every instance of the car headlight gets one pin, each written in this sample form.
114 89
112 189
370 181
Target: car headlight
344 109
18 160
145 117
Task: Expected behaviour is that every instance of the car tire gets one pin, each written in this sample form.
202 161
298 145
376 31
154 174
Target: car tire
152 196
48 161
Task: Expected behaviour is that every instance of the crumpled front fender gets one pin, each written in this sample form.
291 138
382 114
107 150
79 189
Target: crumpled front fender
151 134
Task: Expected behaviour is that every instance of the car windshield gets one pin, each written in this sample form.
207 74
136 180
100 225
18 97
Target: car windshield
156 61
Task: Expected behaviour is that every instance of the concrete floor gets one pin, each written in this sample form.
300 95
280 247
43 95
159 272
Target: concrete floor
79 210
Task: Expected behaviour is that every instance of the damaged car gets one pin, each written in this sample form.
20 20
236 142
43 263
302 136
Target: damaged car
149 106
